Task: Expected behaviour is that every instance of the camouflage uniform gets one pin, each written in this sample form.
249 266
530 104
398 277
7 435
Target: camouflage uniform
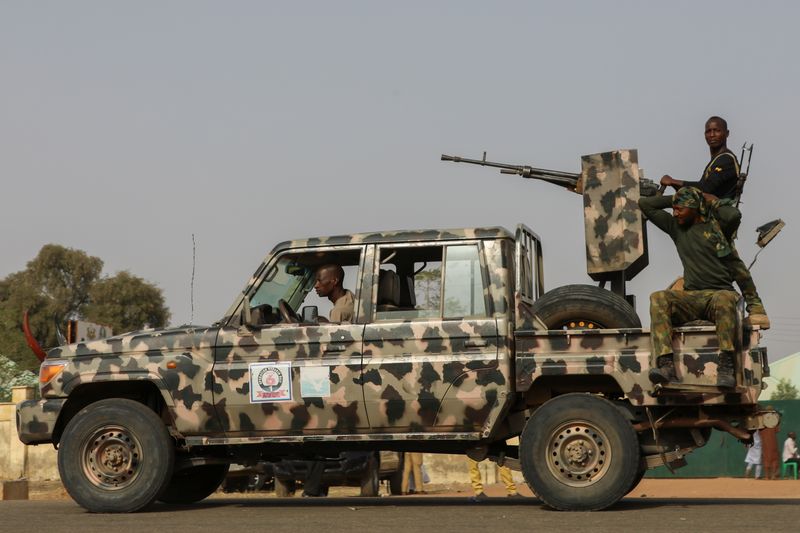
679 307
706 255
719 178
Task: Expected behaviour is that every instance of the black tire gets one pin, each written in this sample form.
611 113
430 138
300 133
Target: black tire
370 484
579 453
285 487
640 472
194 484
115 456
566 307
396 479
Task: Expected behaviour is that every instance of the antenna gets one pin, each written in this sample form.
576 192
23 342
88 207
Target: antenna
191 285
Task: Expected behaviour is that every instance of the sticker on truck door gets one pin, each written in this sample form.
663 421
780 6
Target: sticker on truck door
315 382
270 382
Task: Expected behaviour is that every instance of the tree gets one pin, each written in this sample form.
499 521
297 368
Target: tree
784 390
126 302
11 375
62 284
53 288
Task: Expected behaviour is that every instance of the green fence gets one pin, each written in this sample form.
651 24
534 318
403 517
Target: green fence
723 456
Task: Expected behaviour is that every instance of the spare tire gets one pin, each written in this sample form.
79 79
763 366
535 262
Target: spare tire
585 307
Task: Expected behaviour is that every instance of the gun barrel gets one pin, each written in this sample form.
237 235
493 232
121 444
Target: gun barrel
556 177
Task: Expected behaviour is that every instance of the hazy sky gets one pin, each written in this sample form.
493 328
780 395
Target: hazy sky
125 127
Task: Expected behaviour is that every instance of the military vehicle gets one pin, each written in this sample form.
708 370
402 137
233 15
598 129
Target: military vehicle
455 347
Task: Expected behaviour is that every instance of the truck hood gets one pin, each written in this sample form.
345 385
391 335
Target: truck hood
144 341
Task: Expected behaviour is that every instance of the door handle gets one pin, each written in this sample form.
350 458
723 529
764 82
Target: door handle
335 348
475 343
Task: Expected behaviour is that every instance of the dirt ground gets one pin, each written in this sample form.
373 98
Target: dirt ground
706 488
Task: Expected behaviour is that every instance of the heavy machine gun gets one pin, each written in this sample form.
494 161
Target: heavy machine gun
611 184
569 180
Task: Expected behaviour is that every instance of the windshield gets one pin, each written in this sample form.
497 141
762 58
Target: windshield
283 281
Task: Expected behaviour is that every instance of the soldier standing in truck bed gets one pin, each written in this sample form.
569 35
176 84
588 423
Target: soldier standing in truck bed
706 255
719 181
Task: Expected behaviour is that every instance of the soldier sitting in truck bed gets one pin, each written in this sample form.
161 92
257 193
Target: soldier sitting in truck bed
720 179
706 256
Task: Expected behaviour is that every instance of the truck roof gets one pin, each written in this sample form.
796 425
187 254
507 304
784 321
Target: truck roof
398 236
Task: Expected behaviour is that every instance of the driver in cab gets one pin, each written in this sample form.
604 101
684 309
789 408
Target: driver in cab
328 285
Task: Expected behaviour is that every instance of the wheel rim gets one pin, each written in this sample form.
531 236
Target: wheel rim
111 457
582 323
578 453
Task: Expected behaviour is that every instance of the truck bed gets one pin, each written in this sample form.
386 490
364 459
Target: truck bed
551 358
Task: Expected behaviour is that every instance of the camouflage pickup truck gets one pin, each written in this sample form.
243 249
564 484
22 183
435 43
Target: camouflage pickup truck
454 347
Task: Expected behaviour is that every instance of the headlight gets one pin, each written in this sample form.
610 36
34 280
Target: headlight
49 370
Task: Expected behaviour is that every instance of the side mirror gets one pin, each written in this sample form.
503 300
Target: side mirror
766 233
769 231
310 314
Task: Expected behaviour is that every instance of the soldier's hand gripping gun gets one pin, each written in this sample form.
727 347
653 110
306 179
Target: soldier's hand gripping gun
569 180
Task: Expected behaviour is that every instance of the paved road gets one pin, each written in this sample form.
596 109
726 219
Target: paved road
407 515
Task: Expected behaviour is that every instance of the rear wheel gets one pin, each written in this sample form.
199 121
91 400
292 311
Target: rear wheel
370 483
640 472
579 453
585 307
284 487
116 456
194 484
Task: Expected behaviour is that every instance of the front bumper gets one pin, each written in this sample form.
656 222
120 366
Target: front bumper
36 420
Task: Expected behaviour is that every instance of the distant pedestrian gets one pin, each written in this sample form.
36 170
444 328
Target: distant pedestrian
477 483
790 449
412 465
753 457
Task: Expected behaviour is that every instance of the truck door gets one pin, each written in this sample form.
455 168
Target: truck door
430 347
279 377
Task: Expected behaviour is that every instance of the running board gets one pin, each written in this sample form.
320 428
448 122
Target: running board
217 441
686 387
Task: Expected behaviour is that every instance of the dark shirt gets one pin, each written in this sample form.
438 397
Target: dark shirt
719 177
702 268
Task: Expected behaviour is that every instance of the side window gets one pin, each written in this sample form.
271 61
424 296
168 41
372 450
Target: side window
429 282
463 283
292 277
409 283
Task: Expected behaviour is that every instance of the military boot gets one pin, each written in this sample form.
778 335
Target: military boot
725 377
664 372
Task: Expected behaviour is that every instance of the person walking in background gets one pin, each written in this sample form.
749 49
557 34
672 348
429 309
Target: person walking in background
790 449
769 451
412 464
477 483
753 457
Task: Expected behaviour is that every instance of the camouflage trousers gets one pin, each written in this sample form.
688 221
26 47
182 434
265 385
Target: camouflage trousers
730 217
678 307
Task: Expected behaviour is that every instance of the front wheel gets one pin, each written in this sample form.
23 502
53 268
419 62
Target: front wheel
194 484
579 453
115 456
